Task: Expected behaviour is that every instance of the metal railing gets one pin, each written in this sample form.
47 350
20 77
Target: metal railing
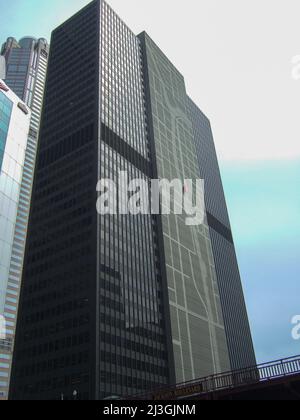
227 381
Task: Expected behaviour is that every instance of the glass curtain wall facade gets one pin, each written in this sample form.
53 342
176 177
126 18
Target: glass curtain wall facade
93 317
113 305
5 114
199 341
134 346
14 128
55 351
237 327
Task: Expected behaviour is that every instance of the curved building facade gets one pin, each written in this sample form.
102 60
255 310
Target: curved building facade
26 67
14 129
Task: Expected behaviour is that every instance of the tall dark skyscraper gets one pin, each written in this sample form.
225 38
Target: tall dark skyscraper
114 305
237 328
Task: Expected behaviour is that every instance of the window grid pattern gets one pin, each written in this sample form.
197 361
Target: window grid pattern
199 340
53 344
238 333
209 166
122 88
132 338
130 297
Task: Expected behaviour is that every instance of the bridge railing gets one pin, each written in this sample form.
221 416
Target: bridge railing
228 380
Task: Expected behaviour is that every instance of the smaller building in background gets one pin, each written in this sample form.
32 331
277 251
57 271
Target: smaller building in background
14 128
26 68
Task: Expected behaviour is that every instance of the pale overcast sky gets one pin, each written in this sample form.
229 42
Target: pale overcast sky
236 56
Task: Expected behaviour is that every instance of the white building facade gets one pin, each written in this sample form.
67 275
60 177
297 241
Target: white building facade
14 129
